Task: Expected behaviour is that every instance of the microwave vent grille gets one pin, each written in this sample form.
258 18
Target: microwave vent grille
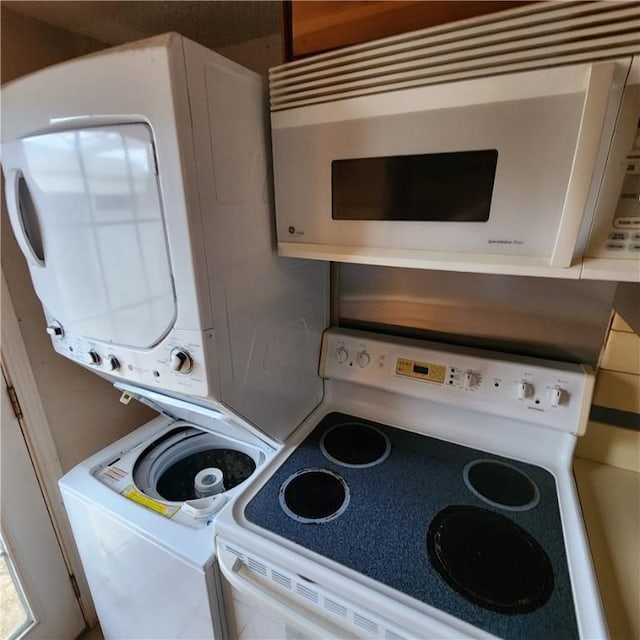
531 37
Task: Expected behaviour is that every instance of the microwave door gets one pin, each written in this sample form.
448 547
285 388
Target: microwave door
86 207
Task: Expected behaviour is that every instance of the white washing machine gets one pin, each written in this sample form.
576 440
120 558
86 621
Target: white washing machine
142 511
138 187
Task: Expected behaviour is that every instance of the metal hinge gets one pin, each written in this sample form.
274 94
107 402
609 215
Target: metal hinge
74 586
15 403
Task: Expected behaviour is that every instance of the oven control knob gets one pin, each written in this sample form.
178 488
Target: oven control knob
363 358
524 390
113 364
180 361
54 329
94 357
470 380
557 396
342 355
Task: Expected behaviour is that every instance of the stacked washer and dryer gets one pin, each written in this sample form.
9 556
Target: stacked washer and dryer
137 184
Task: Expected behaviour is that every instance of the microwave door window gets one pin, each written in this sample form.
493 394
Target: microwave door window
107 274
440 187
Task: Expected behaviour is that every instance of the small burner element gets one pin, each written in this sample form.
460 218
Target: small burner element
489 559
353 444
501 485
314 496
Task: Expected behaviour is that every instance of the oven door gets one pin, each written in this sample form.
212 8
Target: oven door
257 613
268 601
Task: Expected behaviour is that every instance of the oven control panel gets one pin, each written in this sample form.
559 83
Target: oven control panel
547 392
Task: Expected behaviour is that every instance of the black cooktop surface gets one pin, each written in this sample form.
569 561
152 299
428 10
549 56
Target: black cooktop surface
473 534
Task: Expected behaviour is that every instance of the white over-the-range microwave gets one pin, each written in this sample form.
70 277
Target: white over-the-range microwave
513 168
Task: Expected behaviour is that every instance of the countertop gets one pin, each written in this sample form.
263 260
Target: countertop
610 499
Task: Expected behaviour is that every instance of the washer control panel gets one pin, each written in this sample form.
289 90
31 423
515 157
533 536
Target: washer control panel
552 393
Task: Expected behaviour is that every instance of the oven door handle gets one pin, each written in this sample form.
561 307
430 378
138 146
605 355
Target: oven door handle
241 578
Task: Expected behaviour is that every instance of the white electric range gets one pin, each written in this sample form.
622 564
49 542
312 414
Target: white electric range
430 495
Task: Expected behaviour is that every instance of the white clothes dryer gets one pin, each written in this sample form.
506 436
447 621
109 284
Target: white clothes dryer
138 186
141 512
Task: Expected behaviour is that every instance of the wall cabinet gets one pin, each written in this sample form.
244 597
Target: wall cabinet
313 26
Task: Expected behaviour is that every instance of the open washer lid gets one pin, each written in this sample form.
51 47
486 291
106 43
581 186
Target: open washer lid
217 417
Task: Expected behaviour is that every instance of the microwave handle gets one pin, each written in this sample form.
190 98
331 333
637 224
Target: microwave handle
22 216
594 112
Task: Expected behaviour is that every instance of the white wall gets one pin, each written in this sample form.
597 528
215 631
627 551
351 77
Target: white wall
258 55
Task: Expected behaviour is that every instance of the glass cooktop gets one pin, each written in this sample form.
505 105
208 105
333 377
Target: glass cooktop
473 534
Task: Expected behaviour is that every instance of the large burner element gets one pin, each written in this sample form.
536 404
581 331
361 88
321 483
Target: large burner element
354 444
314 495
489 559
501 485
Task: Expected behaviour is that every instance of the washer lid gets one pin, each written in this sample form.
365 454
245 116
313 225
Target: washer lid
216 417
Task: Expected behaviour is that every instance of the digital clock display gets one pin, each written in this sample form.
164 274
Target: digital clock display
425 371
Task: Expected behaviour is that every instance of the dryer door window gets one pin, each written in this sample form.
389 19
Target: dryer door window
93 194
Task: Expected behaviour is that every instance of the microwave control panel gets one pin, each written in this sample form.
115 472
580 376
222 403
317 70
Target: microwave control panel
625 233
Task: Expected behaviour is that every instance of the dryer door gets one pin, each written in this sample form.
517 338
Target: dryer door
86 208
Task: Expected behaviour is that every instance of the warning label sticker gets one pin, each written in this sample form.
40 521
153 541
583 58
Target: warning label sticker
133 494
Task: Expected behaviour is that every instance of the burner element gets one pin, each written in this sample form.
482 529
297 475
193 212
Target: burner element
314 496
353 444
489 559
501 485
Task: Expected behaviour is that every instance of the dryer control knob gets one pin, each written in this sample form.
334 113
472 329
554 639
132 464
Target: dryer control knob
180 361
113 364
94 357
55 330
342 355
